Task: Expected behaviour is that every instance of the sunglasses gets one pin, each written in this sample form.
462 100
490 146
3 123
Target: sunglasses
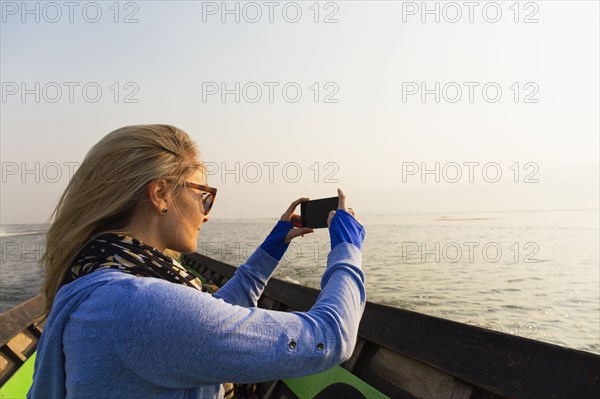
208 195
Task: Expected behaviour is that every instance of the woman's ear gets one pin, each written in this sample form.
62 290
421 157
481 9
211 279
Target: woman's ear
157 194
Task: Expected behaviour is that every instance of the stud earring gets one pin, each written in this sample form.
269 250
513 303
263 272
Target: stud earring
164 211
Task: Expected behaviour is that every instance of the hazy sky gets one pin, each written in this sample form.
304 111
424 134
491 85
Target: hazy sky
321 104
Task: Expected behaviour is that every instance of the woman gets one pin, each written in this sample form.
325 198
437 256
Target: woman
140 191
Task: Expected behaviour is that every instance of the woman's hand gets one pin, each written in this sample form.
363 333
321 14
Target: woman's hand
290 216
341 205
344 225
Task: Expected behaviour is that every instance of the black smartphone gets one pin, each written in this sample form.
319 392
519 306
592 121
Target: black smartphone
315 213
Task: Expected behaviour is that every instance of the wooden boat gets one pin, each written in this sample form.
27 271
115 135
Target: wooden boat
399 353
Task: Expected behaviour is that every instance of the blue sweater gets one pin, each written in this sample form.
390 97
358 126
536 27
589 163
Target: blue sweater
111 334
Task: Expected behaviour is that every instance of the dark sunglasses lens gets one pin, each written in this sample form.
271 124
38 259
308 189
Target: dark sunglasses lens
208 203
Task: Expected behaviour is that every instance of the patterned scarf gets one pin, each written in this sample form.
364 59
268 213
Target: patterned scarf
129 255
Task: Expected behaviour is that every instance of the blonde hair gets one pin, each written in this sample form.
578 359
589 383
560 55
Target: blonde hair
106 188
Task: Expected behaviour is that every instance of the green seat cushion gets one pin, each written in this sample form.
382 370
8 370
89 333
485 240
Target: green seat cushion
308 387
18 385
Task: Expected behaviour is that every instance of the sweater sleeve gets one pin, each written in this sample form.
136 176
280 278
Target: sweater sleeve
177 337
249 280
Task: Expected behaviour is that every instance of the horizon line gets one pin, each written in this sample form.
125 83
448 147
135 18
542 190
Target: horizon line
390 214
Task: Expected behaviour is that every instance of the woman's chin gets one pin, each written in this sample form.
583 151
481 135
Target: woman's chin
188 247
192 247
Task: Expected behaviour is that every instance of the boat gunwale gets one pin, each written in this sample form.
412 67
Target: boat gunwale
504 364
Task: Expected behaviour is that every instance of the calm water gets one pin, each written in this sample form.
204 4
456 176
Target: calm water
533 274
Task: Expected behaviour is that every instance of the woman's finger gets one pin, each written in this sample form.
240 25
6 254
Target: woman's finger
329 217
288 213
342 199
296 220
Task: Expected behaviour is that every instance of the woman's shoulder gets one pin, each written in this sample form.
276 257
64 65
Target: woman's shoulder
104 290
114 283
143 289
113 279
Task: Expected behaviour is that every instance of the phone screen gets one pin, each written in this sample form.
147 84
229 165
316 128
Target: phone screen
315 213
